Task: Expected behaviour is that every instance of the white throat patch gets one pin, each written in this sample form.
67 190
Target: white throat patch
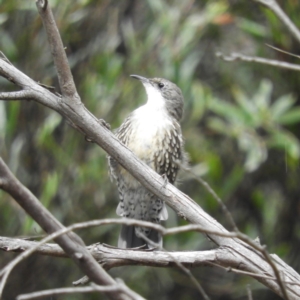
155 98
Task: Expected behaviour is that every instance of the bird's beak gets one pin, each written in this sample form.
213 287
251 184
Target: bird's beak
141 78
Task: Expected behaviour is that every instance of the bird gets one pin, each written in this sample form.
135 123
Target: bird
153 133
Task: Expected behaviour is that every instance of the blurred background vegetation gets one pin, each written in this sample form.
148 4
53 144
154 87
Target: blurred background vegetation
241 128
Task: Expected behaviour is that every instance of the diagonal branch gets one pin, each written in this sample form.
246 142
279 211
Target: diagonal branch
273 6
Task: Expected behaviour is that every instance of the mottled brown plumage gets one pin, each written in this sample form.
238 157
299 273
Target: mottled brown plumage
153 133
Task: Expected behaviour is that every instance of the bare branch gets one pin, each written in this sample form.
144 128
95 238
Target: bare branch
118 287
66 291
18 95
36 92
273 5
261 60
4 57
131 222
59 56
20 245
111 257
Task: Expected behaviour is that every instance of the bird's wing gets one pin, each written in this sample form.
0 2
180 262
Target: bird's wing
170 154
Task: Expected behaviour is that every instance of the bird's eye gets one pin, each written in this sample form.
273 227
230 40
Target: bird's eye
160 85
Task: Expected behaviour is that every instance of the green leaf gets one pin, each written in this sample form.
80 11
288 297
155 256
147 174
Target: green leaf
199 101
246 105
218 125
251 27
262 98
256 151
228 110
290 117
50 188
281 105
286 141
51 122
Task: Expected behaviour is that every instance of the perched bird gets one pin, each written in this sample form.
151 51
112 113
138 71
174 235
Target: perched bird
153 133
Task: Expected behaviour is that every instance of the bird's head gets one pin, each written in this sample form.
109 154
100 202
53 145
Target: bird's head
164 93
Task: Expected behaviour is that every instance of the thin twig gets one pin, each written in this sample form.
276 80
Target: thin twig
66 291
243 237
3 56
215 196
251 274
179 265
273 5
249 292
261 60
282 51
264 252
118 287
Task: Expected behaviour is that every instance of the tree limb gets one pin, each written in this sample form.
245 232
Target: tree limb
111 257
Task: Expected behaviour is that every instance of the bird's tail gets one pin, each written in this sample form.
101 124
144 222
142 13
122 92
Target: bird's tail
129 239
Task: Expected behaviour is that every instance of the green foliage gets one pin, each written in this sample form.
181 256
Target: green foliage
256 123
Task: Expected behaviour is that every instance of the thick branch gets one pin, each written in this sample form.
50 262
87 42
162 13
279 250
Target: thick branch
111 257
